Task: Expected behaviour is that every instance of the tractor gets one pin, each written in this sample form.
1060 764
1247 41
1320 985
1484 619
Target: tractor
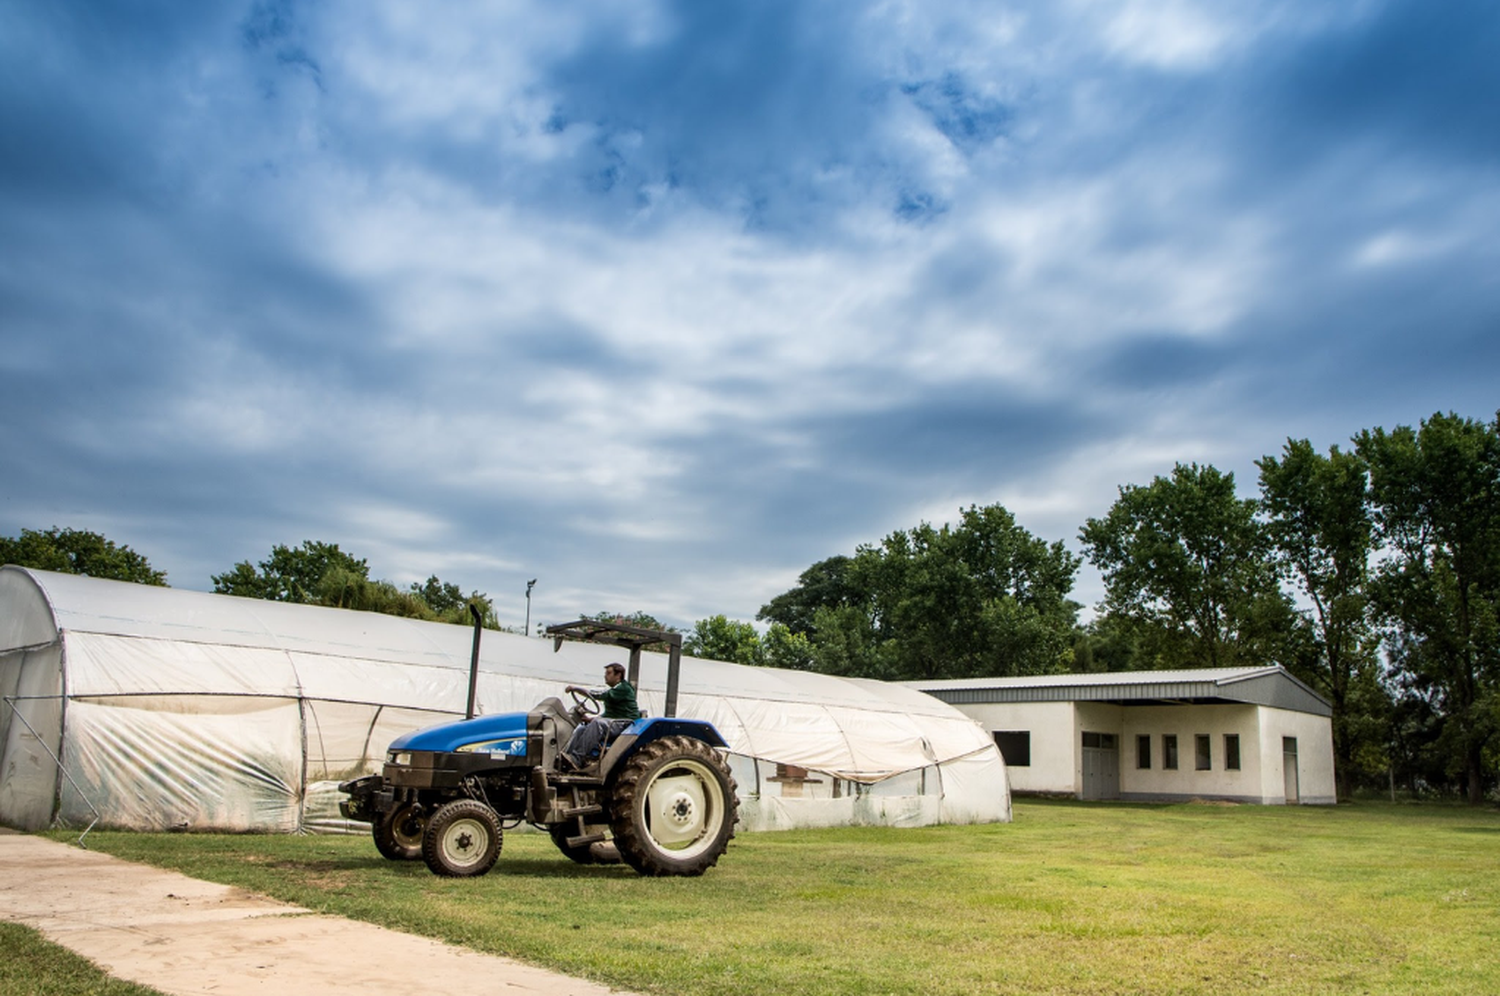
659 796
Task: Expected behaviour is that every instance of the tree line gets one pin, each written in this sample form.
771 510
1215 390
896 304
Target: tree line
314 573
1371 573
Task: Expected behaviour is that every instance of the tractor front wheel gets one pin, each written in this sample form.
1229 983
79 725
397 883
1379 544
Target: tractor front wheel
673 808
398 834
463 839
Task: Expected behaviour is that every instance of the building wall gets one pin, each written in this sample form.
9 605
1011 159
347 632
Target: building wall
1055 765
1186 723
1314 756
1056 740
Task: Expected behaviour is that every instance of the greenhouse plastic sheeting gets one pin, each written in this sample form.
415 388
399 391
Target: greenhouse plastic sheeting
172 708
154 769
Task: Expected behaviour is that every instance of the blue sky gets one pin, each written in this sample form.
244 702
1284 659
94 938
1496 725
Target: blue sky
660 303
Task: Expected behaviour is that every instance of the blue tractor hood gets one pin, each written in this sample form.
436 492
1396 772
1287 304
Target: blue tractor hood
500 729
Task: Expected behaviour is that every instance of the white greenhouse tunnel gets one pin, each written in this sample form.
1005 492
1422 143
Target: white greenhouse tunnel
158 708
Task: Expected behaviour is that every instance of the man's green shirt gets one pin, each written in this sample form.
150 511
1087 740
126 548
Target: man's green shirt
619 701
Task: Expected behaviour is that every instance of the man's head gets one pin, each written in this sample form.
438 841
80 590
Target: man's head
614 674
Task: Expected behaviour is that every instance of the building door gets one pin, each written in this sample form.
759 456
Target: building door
1289 770
1101 766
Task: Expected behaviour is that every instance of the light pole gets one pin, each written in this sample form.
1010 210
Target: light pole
529 585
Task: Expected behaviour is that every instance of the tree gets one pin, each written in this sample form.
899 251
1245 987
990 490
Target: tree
722 639
1436 494
781 647
290 575
1108 643
77 551
342 588
824 585
1318 518
449 603
321 574
984 597
440 596
1186 560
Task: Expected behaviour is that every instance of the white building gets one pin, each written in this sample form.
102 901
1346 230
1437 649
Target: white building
1243 734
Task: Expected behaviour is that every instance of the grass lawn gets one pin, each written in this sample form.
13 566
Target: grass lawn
33 966
1070 898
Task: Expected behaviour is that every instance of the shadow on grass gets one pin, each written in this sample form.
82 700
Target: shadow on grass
563 868
541 868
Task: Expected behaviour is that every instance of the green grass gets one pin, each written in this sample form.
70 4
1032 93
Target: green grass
1071 898
31 966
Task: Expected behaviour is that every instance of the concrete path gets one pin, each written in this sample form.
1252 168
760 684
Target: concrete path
192 938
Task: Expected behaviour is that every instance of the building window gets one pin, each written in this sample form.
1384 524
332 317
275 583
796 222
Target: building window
1202 752
1169 751
1015 747
1102 741
1232 751
1143 751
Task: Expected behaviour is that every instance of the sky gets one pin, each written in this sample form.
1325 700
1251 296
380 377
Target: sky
659 303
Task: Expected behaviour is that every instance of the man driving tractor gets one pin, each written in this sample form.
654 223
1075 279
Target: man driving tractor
617 700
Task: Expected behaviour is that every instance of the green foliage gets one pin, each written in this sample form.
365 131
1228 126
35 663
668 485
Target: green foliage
984 597
723 639
1322 536
1436 492
346 589
321 574
290 575
1108 643
447 603
1185 560
824 585
781 647
440 596
77 551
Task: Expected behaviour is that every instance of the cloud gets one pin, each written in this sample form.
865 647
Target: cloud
663 302
1409 74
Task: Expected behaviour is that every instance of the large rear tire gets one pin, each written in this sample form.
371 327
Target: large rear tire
673 808
398 834
463 839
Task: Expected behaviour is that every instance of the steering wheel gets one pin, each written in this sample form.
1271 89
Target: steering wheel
586 706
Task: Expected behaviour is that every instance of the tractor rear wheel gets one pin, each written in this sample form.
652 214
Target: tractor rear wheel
398 834
463 839
673 809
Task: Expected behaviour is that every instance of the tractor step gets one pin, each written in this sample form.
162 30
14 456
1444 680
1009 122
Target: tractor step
582 781
590 810
584 839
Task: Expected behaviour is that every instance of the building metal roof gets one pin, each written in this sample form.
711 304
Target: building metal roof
1268 686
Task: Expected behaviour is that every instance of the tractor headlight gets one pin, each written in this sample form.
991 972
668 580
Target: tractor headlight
400 757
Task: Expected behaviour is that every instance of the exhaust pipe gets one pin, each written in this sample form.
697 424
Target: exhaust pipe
473 663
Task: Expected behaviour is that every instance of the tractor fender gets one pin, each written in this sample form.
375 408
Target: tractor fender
645 731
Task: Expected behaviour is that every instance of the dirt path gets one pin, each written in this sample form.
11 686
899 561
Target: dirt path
193 938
